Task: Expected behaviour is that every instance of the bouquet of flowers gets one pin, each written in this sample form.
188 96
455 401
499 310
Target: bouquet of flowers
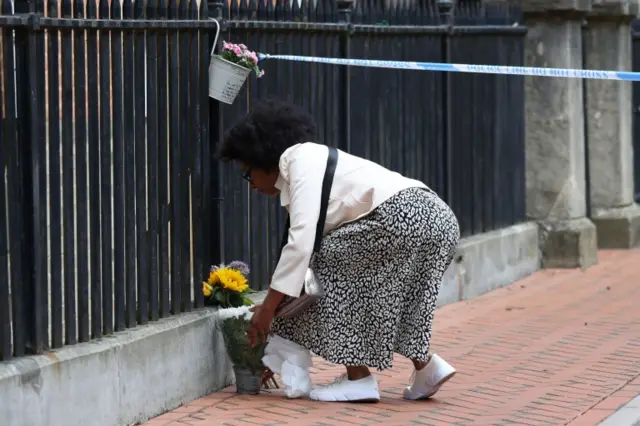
235 324
227 287
241 55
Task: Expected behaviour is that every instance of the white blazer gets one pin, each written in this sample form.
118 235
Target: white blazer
359 186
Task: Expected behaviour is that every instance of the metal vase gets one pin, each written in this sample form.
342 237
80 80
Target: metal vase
247 382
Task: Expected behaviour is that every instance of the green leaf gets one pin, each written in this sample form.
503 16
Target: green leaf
247 301
220 296
213 298
236 299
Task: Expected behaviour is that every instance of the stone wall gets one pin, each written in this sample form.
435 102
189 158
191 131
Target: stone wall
578 132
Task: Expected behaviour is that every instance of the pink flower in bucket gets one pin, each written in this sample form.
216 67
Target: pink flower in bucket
241 55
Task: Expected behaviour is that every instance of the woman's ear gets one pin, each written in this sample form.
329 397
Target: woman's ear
265 182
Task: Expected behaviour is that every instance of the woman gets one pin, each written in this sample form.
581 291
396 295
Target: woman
387 242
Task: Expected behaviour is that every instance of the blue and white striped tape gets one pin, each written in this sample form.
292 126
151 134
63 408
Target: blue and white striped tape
478 69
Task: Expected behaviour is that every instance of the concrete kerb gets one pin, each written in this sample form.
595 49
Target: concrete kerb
119 380
627 415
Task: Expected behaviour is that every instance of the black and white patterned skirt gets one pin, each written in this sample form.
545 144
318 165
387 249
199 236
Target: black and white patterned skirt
381 276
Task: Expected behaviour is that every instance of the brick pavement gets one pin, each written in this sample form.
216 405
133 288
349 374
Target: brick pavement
561 347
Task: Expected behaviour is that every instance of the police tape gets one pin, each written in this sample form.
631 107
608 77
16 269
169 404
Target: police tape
465 68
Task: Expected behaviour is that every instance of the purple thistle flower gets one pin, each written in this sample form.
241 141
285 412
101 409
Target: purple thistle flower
240 266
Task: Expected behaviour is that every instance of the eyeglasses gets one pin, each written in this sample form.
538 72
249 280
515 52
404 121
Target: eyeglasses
247 175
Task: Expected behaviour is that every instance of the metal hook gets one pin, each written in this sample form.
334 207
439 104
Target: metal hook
215 41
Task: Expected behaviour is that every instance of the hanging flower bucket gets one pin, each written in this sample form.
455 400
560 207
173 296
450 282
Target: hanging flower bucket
229 70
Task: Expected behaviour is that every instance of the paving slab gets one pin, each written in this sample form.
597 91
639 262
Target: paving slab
561 347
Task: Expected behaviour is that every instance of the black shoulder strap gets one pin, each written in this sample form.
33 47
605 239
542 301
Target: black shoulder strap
327 183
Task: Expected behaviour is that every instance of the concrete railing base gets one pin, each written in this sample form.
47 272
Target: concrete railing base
489 261
118 380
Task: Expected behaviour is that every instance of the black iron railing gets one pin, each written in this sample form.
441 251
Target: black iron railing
106 152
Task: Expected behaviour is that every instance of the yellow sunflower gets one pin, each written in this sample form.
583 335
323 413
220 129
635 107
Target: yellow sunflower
231 279
213 278
206 289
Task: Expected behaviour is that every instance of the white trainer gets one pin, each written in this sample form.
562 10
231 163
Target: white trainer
426 382
345 390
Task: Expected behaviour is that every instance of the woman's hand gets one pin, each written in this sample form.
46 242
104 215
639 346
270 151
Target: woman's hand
260 326
263 316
